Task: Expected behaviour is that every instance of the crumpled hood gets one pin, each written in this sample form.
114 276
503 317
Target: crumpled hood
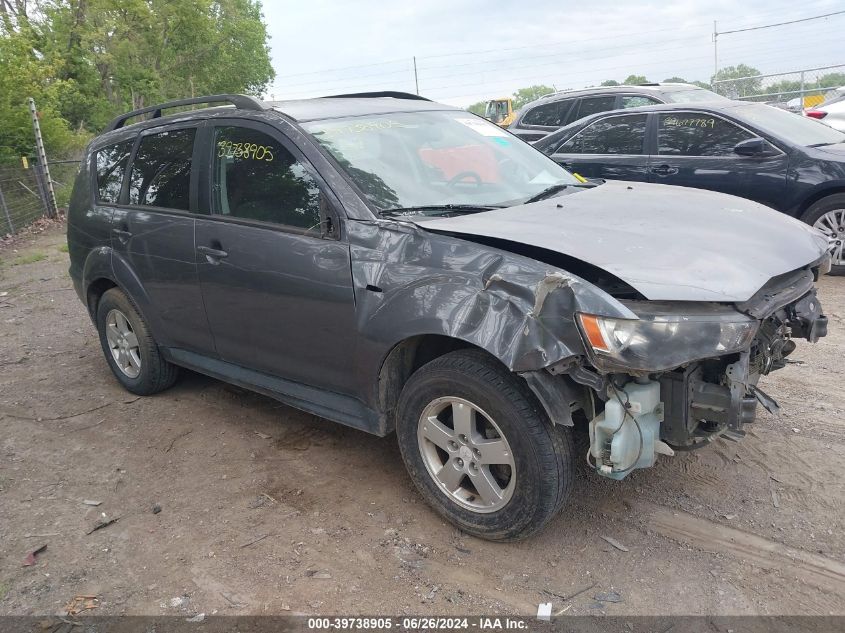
669 243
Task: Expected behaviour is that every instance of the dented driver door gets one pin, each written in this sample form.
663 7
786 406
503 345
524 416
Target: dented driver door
274 273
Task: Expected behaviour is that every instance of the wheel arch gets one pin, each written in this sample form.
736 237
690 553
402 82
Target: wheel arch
555 395
829 189
94 292
104 269
403 359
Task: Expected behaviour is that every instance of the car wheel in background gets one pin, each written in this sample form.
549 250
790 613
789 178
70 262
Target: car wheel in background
129 347
828 215
480 449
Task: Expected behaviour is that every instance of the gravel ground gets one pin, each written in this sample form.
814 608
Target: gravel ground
267 510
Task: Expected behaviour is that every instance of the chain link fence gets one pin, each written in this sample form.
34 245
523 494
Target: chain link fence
793 90
23 193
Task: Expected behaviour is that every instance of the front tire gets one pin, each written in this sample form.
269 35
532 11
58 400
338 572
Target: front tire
828 215
480 449
129 347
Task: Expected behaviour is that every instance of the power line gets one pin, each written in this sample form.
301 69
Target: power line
481 52
502 73
768 26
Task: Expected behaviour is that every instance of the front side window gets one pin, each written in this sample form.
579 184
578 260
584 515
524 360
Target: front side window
111 168
613 135
438 157
697 134
552 114
257 178
161 170
594 105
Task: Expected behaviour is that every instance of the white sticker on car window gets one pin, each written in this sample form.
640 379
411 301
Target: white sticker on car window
482 127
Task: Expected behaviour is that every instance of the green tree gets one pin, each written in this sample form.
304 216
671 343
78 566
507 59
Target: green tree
675 80
478 108
831 80
746 81
26 74
86 60
527 95
609 82
633 80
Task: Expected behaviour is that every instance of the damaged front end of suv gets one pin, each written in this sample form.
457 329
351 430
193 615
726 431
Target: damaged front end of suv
662 367
679 376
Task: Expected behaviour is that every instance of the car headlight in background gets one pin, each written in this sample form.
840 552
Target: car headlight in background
665 336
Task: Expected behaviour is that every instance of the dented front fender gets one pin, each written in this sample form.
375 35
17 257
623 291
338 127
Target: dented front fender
410 282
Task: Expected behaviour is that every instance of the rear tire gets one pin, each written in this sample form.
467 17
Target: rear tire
497 490
828 215
129 347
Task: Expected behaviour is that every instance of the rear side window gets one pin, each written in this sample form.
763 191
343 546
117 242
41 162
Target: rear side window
635 101
613 135
161 171
594 105
552 114
257 178
111 168
697 134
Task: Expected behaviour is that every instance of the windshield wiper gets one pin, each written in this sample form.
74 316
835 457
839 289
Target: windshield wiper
824 144
437 209
552 190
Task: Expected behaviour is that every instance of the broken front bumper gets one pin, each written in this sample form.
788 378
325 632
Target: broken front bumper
715 397
688 407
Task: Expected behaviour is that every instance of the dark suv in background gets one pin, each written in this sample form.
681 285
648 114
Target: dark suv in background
551 112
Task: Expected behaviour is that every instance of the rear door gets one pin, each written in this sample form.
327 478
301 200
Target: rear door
695 149
594 105
612 147
275 274
153 235
544 119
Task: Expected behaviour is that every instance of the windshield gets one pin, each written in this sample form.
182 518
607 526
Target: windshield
791 127
496 110
692 95
424 159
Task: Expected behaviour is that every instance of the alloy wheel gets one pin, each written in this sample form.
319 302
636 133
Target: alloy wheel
832 224
123 343
466 454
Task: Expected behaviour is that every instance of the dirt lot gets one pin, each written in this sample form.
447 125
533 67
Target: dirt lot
265 509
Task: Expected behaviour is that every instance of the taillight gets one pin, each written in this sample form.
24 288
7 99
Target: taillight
816 114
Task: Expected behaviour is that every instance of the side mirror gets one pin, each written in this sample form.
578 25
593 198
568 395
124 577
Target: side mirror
754 147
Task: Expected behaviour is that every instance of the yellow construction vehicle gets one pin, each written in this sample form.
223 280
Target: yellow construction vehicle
499 111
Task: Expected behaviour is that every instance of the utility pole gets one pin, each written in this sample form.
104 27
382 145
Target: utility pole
49 194
416 78
715 50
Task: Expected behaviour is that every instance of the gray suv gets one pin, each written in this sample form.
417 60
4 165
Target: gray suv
397 265
551 112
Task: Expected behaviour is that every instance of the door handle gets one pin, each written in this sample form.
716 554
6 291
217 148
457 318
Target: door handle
122 235
664 170
213 255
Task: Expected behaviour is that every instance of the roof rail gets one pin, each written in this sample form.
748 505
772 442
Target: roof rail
243 102
372 95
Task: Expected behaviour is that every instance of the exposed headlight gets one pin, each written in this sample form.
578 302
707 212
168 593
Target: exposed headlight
664 337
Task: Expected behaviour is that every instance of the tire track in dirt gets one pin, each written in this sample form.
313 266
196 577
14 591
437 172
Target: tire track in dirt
821 572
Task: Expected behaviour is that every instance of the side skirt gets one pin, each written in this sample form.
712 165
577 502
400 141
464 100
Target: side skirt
333 406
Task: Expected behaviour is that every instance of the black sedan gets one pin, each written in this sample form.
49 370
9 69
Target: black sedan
790 163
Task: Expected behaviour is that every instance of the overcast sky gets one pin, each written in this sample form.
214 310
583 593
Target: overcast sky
472 50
